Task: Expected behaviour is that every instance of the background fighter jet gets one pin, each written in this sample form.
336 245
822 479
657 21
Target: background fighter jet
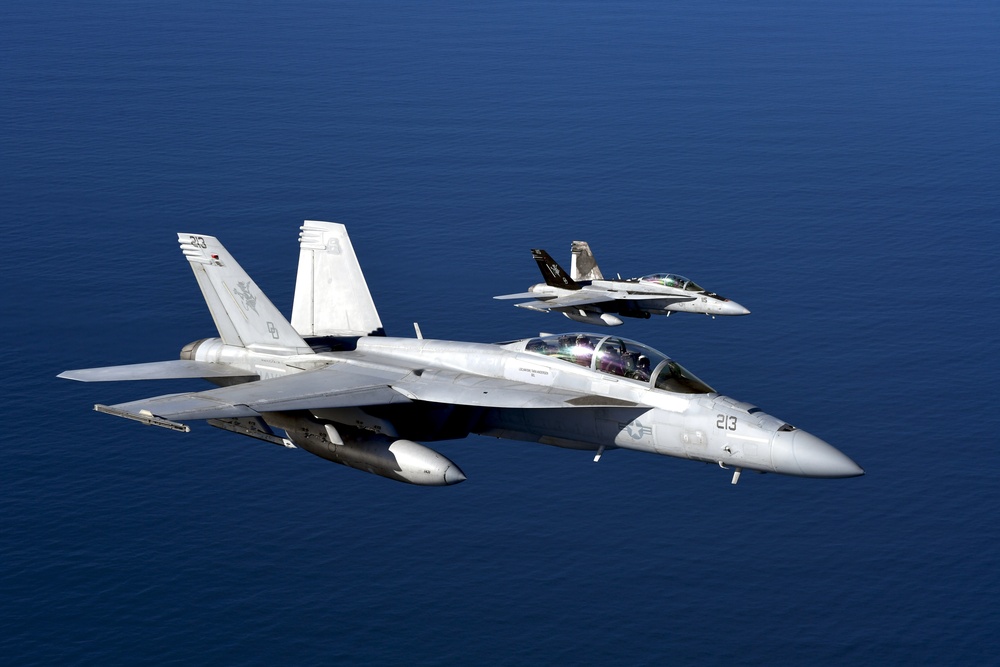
586 296
335 385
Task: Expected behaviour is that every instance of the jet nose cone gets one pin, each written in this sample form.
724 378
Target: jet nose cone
733 308
453 475
801 453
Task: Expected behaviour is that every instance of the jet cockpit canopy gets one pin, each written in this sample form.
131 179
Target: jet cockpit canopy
672 280
620 357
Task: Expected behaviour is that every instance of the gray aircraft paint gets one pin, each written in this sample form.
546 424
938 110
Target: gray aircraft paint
366 406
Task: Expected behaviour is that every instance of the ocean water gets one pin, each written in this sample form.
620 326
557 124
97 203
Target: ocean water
832 166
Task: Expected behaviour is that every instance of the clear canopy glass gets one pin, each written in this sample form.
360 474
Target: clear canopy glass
672 280
620 357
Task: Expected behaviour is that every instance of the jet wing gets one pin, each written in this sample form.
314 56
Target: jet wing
576 299
156 370
594 297
579 298
340 385
328 387
589 297
519 295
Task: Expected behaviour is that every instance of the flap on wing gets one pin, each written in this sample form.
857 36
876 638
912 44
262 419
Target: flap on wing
462 389
156 370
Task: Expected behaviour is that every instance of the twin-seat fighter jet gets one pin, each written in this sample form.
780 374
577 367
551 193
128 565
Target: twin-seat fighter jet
584 295
332 383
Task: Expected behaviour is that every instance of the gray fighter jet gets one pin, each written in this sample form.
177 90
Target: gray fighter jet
586 296
332 383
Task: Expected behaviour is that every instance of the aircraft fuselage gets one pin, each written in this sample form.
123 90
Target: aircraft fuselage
630 411
633 298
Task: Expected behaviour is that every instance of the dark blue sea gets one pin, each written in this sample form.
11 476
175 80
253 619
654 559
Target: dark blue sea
833 166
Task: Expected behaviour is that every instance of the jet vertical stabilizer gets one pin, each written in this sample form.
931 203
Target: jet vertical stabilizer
583 266
243 315
331 294
554 275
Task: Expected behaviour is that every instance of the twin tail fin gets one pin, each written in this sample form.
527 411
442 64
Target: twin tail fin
244 316
553 274
583 266
331 294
